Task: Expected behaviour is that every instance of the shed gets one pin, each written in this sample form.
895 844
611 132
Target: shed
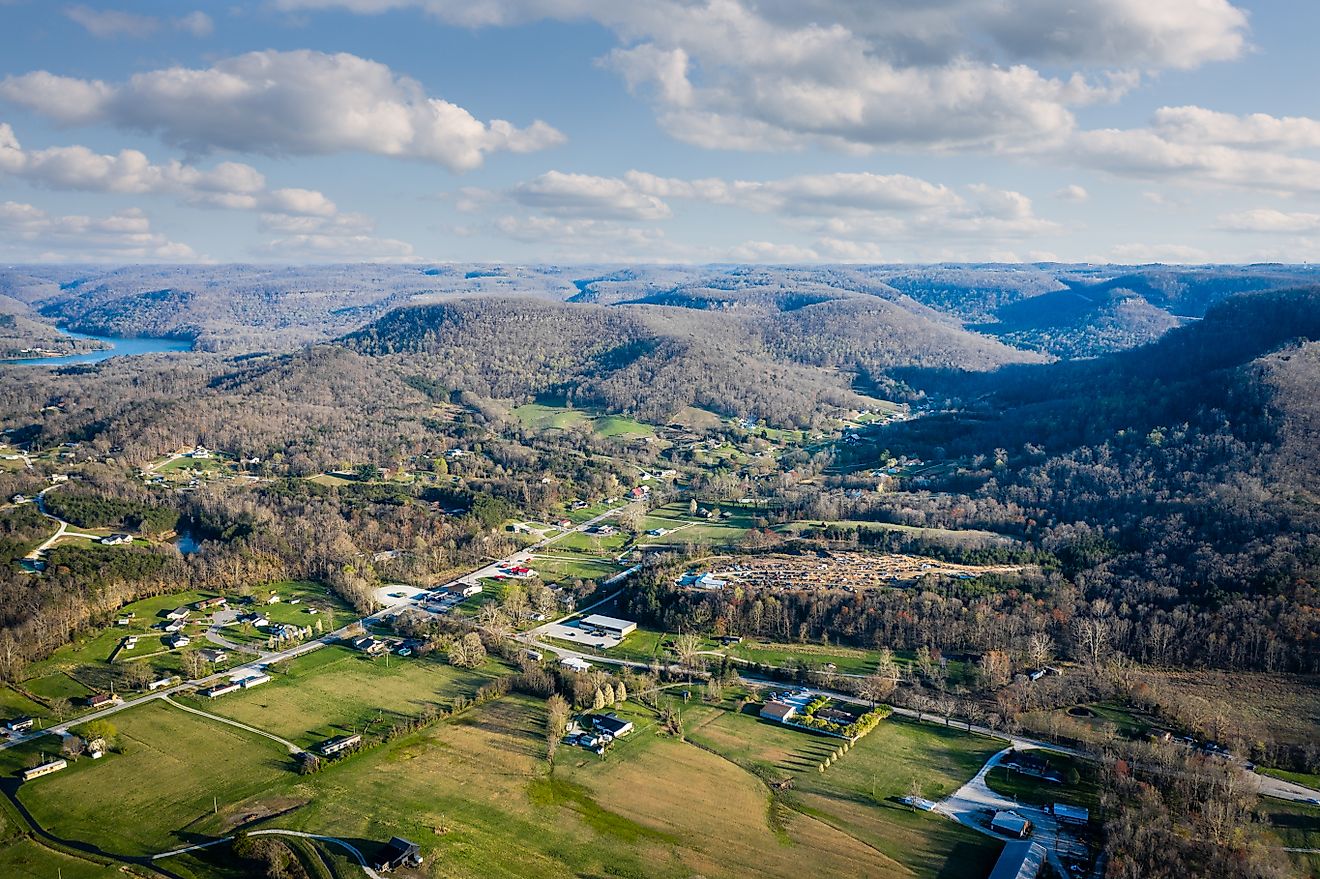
400 852
1067 814
1011 824
1019 860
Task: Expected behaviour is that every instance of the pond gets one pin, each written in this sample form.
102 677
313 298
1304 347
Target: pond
119 347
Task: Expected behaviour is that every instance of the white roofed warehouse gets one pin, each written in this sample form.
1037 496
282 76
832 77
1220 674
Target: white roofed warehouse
609 625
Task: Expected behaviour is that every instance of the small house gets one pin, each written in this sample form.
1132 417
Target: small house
462 590
20 724
778 712
399 853
611 724
100 700
214 654
1011 824
575 663
179 613
159 684
218 690
177 640
209 603
338 745
44 769
116 539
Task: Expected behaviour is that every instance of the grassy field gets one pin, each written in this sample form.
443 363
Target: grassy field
1296 825
335 690
543 417
172 766
556 567
476 792
859 794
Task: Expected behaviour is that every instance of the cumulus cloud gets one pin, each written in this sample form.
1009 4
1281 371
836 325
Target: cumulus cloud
954 74
231 185
308 224
31 233
300 102
1197 125
1072 192
586 195
1147 154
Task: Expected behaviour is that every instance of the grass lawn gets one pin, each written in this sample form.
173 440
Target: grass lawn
554 568
1297 825
26 859
847 659
15 704
172 765
591 544
336 690
1040 792
859 793
55 686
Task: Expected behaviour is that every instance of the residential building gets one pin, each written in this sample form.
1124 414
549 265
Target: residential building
177 640
611 724
44 769
20 724
399 853
777 711
575 663
255 681
338 745
218 690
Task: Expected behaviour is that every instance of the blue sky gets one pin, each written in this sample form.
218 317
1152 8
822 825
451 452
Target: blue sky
666 130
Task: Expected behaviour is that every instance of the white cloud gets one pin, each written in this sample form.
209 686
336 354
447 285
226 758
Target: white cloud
1270 221
300 102
110 23
1148 155
864 74
1072 192
197 23
230 185
1197 125
30 232
589 196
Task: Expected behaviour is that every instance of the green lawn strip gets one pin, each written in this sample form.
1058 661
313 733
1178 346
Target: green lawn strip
1306 779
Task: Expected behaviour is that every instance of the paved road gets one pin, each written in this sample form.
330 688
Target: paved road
351 849
974 804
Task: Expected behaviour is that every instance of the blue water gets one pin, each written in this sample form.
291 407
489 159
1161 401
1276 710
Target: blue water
187 543
120 348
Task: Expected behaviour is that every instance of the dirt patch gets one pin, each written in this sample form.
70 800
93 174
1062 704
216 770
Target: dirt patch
251 813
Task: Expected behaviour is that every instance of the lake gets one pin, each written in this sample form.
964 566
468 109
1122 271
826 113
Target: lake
120 347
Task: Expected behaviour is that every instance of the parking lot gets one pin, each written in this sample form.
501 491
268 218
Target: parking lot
574 635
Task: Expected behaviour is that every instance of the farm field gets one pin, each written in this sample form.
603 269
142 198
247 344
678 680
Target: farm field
172 766
860 793
336 690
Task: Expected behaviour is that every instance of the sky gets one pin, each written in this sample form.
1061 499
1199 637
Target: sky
595 131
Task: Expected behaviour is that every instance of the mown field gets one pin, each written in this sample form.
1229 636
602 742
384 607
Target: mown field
544 417
336 690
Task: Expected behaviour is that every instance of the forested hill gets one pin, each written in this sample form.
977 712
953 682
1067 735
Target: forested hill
1183 472
786 366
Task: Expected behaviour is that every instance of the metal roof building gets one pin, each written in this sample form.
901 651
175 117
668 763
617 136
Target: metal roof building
1019 860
